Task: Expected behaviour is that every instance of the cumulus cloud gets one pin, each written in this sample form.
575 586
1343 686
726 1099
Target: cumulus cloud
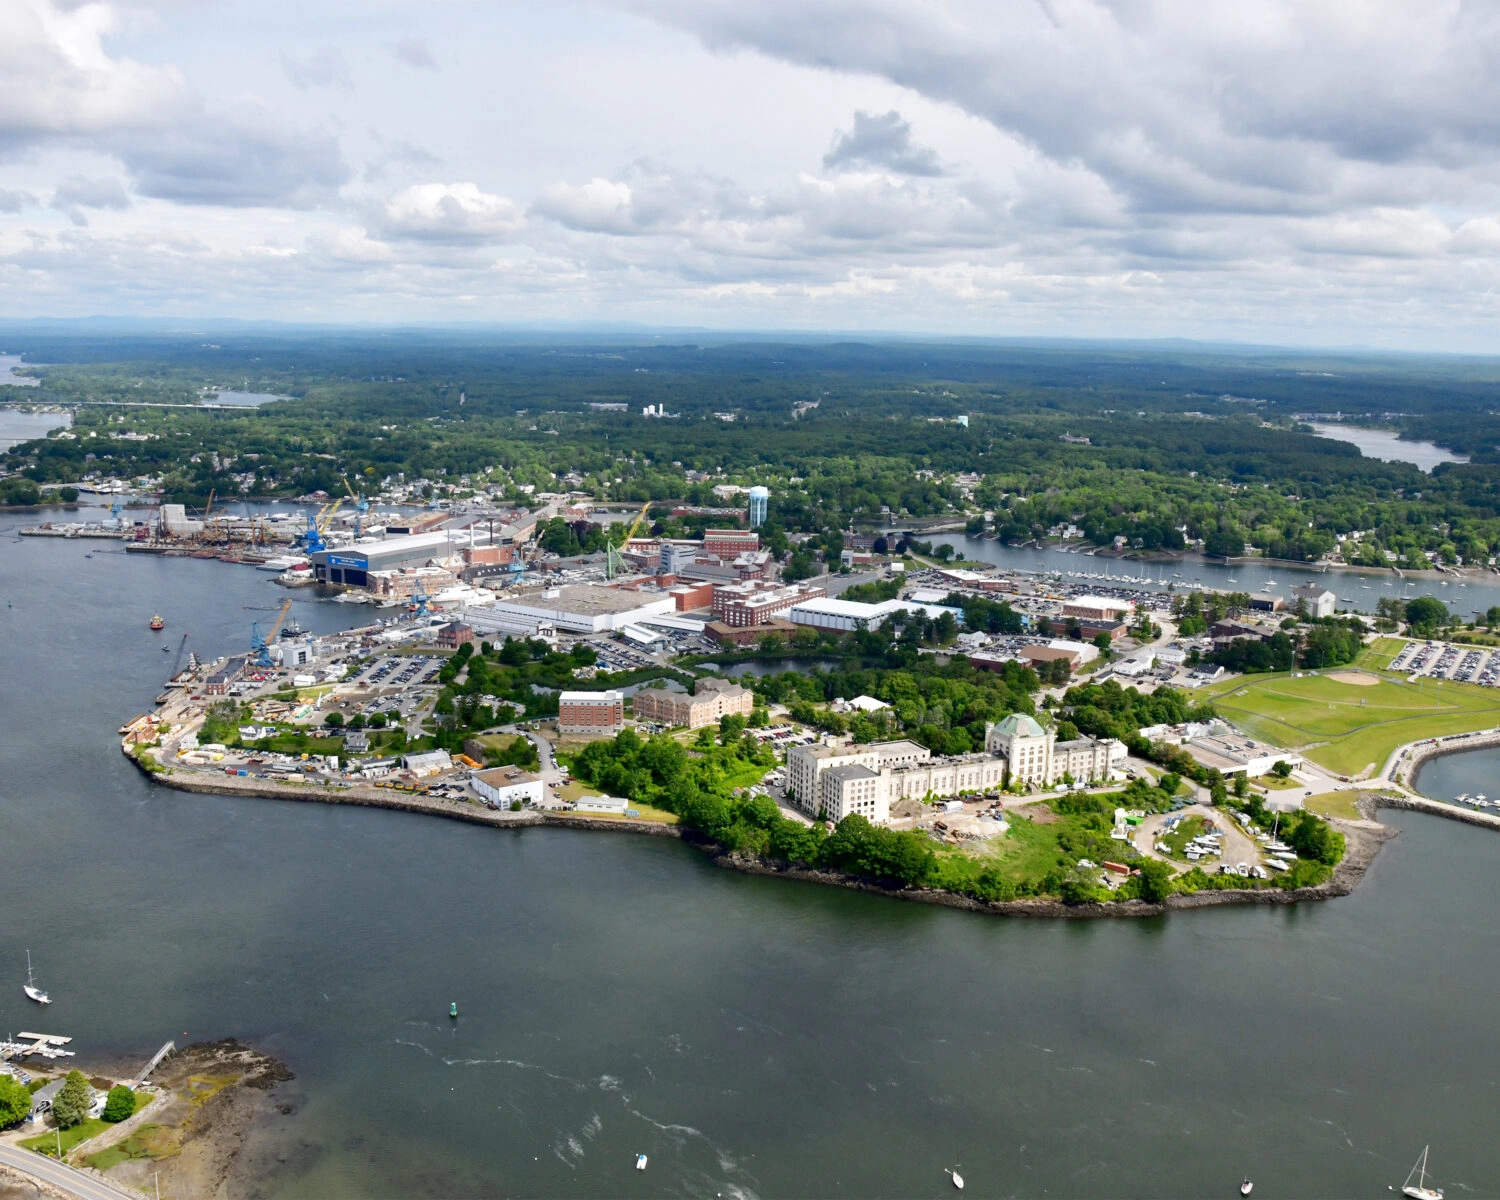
450 212
883 142
1275 106
414 52
57 79
14 201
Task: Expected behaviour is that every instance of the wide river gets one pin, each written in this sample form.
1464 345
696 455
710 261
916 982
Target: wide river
622 995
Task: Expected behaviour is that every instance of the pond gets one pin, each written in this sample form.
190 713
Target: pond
1389 447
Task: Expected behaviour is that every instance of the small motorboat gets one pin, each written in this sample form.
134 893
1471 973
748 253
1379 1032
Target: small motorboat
1246 1187
453 1009
640 1162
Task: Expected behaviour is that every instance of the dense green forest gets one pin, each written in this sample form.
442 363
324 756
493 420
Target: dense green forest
1154 444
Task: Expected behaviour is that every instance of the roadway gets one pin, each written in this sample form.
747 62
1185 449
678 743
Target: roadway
70 1179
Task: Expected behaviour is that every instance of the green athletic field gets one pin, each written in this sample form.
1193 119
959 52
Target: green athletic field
1348 728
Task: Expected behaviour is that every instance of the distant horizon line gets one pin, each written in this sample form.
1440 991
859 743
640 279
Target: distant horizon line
552 330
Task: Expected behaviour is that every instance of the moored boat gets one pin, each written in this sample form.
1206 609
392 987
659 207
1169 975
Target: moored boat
33 992
156 622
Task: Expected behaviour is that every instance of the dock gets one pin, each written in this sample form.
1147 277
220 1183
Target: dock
42 1045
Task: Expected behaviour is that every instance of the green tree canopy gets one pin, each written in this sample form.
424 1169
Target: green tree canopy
73 1102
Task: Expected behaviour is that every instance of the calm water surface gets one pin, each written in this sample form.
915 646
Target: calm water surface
622 995
16 427
1390 447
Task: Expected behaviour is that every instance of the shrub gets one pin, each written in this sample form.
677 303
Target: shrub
119 1104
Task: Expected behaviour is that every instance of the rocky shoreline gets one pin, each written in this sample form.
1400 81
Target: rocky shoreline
1363 838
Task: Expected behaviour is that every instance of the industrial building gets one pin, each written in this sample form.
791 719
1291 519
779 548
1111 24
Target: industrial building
847 615
755 602
350 566
504 785
574 608
1096 608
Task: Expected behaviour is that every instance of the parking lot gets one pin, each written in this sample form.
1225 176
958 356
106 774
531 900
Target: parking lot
398 670
1439 660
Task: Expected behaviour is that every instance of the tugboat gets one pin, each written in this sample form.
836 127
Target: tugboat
157 622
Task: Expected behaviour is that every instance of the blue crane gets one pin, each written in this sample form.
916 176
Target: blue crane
260 643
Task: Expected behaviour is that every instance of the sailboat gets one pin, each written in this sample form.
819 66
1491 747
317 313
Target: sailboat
1420 1190
958 1180
32 991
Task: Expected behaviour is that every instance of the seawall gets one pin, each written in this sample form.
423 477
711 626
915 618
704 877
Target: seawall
1364 840
1409 759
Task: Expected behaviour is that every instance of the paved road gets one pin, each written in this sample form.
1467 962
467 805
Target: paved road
70 1179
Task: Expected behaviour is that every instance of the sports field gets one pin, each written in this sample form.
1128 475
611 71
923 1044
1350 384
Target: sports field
1350 727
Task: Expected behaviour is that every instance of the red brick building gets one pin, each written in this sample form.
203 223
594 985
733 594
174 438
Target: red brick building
726 544
454 635
601 714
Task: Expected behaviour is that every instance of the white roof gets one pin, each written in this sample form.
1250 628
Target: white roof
1105 602
591 698
867 704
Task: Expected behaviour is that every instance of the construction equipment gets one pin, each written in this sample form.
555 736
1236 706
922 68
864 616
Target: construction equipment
420 599
614 561
260 643
312 539
177 662
361 505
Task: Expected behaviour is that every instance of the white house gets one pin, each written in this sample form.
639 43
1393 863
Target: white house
1320 601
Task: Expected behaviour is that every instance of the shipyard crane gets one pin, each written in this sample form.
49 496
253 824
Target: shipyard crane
361 505
312 539
614 561
420 599
260 643
177 662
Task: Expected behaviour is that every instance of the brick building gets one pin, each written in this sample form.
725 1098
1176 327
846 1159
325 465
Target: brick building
596 713
729 543
755 602
711 699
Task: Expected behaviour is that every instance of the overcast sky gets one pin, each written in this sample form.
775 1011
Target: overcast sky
1266 171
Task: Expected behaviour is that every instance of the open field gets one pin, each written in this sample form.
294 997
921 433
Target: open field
1379 653
1347 727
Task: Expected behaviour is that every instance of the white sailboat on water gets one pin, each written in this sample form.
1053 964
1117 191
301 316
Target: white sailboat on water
1419 1190
32 991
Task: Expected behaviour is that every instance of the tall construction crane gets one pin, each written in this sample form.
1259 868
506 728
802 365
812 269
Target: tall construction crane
177 662
614 561
260 643
361 505
312 539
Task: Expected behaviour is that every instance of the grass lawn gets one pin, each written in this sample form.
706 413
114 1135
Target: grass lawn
1334 804
149 1141
85 1129
1348 728
1379 653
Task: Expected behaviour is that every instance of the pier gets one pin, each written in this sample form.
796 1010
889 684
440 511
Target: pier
42 1045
